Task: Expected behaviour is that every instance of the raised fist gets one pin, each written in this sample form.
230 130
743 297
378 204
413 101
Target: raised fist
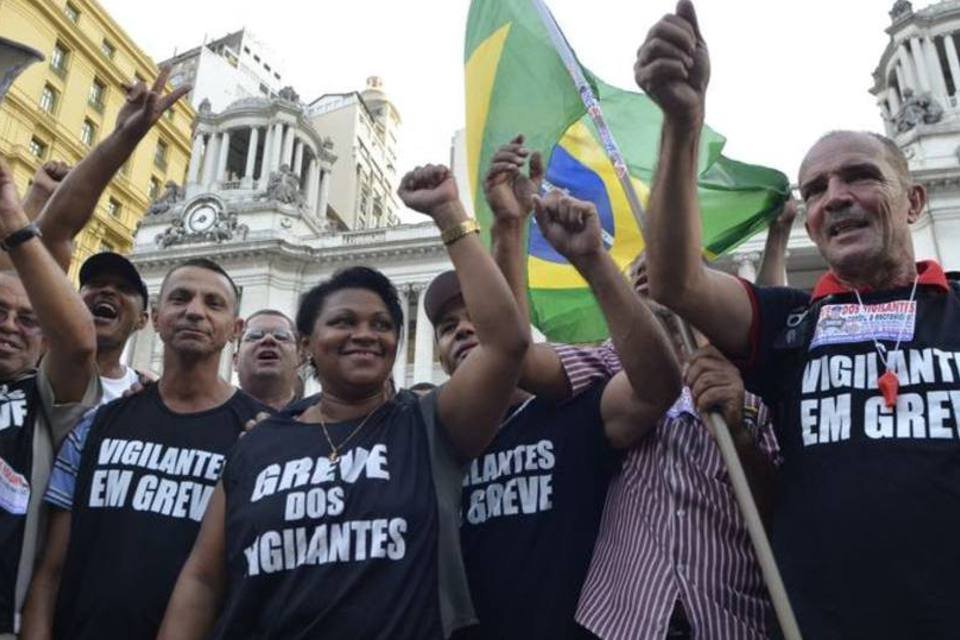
571 226
49 176
12 216
673 66
428 189
508 191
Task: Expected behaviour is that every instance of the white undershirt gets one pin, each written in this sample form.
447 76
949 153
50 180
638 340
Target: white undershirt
113 388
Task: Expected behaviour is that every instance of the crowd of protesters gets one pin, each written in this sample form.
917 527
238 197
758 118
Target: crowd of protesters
545 490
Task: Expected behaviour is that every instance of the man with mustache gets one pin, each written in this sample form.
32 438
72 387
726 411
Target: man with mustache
532 501
268 357
133 479
862 375
39 311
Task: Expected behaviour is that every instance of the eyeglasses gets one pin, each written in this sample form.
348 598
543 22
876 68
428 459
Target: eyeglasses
256 335
25 322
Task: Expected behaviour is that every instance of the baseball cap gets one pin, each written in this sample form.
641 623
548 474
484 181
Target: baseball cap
444 288
113 264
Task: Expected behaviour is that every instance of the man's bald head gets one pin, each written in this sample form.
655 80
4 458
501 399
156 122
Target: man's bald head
888 147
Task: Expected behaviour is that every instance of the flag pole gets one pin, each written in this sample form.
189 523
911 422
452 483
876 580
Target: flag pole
721 431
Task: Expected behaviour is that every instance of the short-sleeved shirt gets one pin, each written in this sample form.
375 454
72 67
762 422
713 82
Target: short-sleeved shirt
531 509
340 548
671 530
137 478
113 388
868 511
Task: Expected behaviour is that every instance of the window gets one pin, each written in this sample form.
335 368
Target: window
88 132
113 207
72 13
58 59
97 91
38 149
107 49
246 49
48 99
154 188
160 154
266 66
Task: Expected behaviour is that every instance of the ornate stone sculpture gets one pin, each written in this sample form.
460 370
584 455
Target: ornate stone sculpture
203 220
901 8
205 106
284 187
165 201
916 110
288 94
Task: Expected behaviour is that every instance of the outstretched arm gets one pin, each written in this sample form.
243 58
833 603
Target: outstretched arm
509 193
470 415
62 316
73 203
673 69
572 227
197 596
773 267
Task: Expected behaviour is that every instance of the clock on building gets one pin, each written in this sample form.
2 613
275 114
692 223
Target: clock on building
201 218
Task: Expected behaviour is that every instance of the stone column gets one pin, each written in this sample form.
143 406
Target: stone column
920 60
901 80
906 66
937 81
423 347
324 195
222 163
298 157
400 364
251 157
894 101
313 184
287 158
141 350
277 146
210 158
196 155
952 60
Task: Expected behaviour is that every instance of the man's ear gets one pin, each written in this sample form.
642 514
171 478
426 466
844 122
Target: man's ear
238 325
917 197
142 320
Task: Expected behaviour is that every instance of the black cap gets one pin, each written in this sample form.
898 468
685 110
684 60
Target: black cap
113 264
443 289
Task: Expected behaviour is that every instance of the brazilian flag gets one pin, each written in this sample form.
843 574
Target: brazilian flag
516 83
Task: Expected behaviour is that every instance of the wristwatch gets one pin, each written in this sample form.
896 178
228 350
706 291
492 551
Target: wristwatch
20 236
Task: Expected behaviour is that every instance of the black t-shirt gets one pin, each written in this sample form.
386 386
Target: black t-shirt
146 475
317 549
19 401
868 513
531 510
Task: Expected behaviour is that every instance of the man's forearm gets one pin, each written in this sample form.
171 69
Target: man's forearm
506 245
644 348
673 218
773 267
73 203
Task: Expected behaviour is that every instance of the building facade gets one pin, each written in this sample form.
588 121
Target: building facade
60 108
258 181
916 84
363 126
228 69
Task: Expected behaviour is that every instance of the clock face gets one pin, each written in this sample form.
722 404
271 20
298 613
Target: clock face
201 219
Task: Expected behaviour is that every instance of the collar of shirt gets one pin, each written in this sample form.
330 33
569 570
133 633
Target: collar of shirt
929 272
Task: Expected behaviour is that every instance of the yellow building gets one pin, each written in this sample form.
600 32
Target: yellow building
61 107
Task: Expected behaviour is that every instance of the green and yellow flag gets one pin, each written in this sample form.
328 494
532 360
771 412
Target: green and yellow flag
516 82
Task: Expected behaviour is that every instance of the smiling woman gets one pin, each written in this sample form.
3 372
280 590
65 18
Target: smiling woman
340 518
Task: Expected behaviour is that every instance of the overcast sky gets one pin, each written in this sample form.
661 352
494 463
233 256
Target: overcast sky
783 71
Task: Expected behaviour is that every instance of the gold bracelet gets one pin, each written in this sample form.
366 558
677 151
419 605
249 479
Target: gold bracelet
454 233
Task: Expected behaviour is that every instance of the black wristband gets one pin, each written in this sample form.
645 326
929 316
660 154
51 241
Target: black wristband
20 236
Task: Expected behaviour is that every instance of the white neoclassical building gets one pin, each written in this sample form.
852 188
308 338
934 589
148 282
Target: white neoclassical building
256 191
917 86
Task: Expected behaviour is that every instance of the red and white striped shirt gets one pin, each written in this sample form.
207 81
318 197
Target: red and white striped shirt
671 529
